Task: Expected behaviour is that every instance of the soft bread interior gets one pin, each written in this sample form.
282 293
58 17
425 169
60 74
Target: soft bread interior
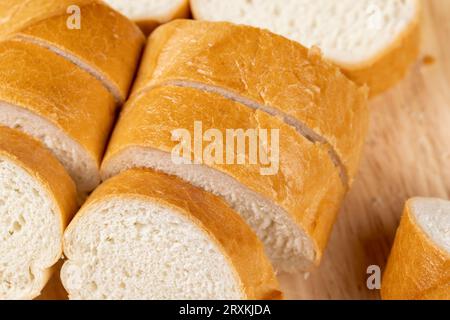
433 216
145 9
80 166
287 246
349 32
132 248
30 232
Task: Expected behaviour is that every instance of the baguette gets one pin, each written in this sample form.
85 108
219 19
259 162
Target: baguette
266 72
145 235
37 201
292 211
419 264
375 42
107 45
149 14
53 100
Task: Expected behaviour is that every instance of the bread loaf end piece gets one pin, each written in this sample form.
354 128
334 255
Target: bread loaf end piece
419 263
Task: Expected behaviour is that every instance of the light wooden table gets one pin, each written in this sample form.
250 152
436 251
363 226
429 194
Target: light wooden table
407 154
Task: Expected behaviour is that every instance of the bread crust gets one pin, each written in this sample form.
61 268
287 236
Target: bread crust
307 185
417 268
17 14
212 215
108 45
268 70
31 78
389 66
107 42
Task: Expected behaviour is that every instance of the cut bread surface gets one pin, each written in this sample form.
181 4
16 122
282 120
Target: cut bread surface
309 94
139 250
159 10
433 216
53 100
291 211
145 235
81 167
30 233
419 263
36 204
354 34
149 14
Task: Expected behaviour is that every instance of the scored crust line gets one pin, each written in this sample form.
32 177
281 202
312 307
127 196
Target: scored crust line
112 89
299 126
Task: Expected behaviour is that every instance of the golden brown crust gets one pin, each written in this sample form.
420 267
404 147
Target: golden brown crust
33 157
417 268
266 69
211 214
307 185
107 42
17 14
48 85
390 66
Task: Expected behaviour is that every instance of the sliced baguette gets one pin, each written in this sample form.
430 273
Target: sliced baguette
419 264
266 72
107 45
53 100
145 235
291 211
149 14
375 42
37 201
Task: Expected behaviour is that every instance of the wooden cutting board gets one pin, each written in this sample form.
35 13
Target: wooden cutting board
407 154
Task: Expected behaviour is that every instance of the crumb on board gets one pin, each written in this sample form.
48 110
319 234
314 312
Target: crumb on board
428 59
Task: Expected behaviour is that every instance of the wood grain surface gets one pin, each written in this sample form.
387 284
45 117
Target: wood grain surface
407 154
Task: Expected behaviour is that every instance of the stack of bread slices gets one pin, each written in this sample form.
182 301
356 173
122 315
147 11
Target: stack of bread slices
65 68
145 232
166 225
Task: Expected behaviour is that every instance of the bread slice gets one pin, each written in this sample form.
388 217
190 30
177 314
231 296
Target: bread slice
375 42
419 264
149 14
265 72
37 200
58 103
107 45
292 210
145 235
